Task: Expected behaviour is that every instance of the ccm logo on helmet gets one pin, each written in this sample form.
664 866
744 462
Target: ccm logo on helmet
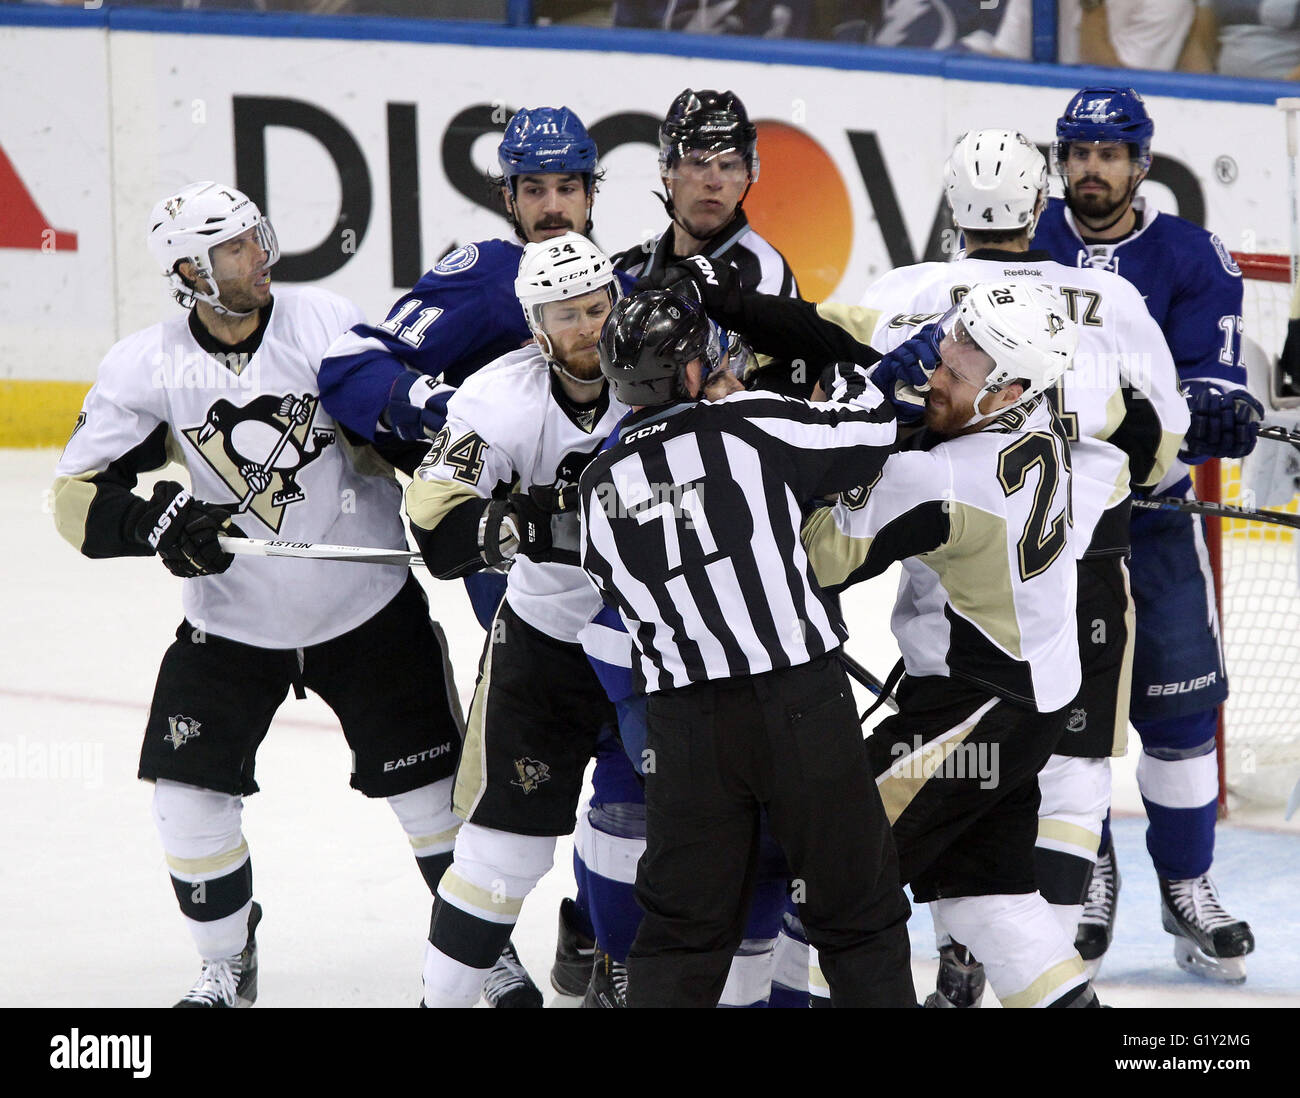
165 519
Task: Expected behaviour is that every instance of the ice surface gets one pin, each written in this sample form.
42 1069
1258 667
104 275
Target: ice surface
88 918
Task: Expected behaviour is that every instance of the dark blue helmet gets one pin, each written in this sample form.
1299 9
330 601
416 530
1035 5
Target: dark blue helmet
1105 114
546 139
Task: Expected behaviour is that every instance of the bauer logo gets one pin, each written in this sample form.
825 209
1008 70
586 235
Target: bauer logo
462 259
1187 686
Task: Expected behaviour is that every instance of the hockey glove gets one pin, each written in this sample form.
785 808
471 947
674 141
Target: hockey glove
903 375
717 285
843 381
417 407
535 526
184 531
1225 422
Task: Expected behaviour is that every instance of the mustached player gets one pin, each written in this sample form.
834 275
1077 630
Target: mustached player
1193 288
497 486
229 390
1124 417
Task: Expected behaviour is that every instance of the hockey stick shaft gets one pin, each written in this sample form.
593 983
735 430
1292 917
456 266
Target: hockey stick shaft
1274 433
1218 510
306 550
865 678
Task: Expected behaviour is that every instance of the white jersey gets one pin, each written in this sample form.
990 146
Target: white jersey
981 525
1119 402
507 427
256 442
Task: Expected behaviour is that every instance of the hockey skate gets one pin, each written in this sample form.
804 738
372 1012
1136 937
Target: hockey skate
574 954
1097 923
608 983
229 981
508 984
960 982
1207 940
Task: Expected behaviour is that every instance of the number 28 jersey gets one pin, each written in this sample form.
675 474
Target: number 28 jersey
981 523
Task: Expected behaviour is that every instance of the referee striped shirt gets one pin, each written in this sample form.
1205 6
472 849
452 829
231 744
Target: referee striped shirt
691 527
761 267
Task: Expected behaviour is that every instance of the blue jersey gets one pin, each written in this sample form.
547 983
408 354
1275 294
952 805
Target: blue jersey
1188 278
460 316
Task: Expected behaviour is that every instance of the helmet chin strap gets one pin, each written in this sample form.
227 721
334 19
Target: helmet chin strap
558 367
671 210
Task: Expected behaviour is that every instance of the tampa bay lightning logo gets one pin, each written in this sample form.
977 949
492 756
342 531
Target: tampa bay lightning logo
1225 256
462 259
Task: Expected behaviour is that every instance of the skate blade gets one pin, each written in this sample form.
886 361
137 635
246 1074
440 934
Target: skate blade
1224 970
1091 968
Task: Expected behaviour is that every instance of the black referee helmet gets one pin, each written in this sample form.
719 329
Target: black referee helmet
646 344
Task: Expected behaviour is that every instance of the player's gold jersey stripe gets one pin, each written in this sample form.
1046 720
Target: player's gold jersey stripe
1055 979
213 863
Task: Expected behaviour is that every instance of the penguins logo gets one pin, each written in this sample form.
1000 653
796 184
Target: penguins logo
1054 324
259 449
173 206
182 730
531 774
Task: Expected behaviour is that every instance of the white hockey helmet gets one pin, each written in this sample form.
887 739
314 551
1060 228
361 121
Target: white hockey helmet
563 267
1022 327
191 222
993 180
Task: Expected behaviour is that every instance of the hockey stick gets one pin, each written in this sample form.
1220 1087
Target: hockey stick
1274 433
362 554
1218 510
866 679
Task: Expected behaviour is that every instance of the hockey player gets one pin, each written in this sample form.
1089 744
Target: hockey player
977 509
1124 418
690 530
229 390
708 159
394 378
533 418
1193 288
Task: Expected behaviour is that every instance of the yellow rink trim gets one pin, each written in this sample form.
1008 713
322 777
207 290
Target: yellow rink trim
39 413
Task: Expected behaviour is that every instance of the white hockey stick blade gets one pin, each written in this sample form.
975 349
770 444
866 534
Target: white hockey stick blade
362 554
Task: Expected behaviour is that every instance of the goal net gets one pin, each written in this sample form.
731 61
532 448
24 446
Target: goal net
1258 565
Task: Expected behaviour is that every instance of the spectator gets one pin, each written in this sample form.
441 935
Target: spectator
1258 38
1131 34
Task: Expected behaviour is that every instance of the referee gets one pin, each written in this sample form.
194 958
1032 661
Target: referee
691 531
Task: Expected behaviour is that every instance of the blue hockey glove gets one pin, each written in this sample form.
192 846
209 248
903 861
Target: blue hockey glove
903 375
417 407
1225 422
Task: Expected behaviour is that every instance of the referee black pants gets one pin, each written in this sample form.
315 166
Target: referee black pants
789 742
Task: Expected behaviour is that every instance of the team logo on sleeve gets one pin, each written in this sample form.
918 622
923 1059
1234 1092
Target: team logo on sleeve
1225 256
181 731
462 259
531 774
258 450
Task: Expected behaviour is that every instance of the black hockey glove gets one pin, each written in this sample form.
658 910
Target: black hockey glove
536 525
1225 422
716 285
184 530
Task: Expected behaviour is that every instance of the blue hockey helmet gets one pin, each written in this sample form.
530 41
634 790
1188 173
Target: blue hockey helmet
1105 114
546 139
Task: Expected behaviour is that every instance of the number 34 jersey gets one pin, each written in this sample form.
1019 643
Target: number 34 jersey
981 523
510 427
252 434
